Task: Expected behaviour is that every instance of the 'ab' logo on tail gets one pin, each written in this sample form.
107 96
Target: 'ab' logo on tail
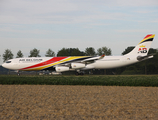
142 49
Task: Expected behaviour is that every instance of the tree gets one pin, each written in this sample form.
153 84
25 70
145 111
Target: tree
104 50
34 53
149 66
50 53
7 55
19 54
90 51
70 52
76 52
127 50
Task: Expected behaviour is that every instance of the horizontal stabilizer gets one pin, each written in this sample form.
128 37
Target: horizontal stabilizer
141 58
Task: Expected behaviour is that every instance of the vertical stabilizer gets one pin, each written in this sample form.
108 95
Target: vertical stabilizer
143 47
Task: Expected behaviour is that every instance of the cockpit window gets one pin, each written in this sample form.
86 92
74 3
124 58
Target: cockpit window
8 61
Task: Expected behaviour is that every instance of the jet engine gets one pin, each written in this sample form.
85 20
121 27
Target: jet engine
77 65
61 69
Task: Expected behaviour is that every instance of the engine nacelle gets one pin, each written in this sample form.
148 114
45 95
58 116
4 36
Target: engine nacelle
61 69
77 65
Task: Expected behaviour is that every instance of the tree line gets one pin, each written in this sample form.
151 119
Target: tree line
89 51
149 66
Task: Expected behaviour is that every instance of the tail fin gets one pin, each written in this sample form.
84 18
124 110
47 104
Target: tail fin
143 47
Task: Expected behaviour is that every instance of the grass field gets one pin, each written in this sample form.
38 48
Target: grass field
104 80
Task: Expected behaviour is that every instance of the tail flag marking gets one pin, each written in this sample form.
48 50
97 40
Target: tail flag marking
149 37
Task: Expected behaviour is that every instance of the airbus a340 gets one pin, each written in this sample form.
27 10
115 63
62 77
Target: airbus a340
80 63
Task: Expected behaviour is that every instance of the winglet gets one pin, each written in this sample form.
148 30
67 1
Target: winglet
102 56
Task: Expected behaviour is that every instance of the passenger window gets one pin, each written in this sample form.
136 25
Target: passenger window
8 62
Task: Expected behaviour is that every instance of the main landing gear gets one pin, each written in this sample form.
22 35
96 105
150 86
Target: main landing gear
79 72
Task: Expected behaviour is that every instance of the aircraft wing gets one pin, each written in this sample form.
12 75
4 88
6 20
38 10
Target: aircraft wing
85 61
91 60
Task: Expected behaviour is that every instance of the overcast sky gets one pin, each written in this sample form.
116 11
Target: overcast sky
54 24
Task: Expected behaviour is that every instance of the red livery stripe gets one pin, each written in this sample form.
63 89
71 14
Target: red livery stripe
52 60
148 36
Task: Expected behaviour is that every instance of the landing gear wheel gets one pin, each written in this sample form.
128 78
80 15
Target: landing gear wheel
79 73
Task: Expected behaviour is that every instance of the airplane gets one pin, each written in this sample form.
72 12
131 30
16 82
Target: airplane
81 63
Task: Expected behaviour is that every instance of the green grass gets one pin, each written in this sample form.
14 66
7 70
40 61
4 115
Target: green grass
113 80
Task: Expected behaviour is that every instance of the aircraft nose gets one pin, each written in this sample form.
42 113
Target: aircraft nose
10 65
4 65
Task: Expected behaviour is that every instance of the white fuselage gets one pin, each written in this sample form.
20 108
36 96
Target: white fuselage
107 62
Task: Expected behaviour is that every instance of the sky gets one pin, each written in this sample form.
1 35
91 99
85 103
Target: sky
54 24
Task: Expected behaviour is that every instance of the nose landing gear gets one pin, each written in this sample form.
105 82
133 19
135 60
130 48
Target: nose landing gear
18 73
